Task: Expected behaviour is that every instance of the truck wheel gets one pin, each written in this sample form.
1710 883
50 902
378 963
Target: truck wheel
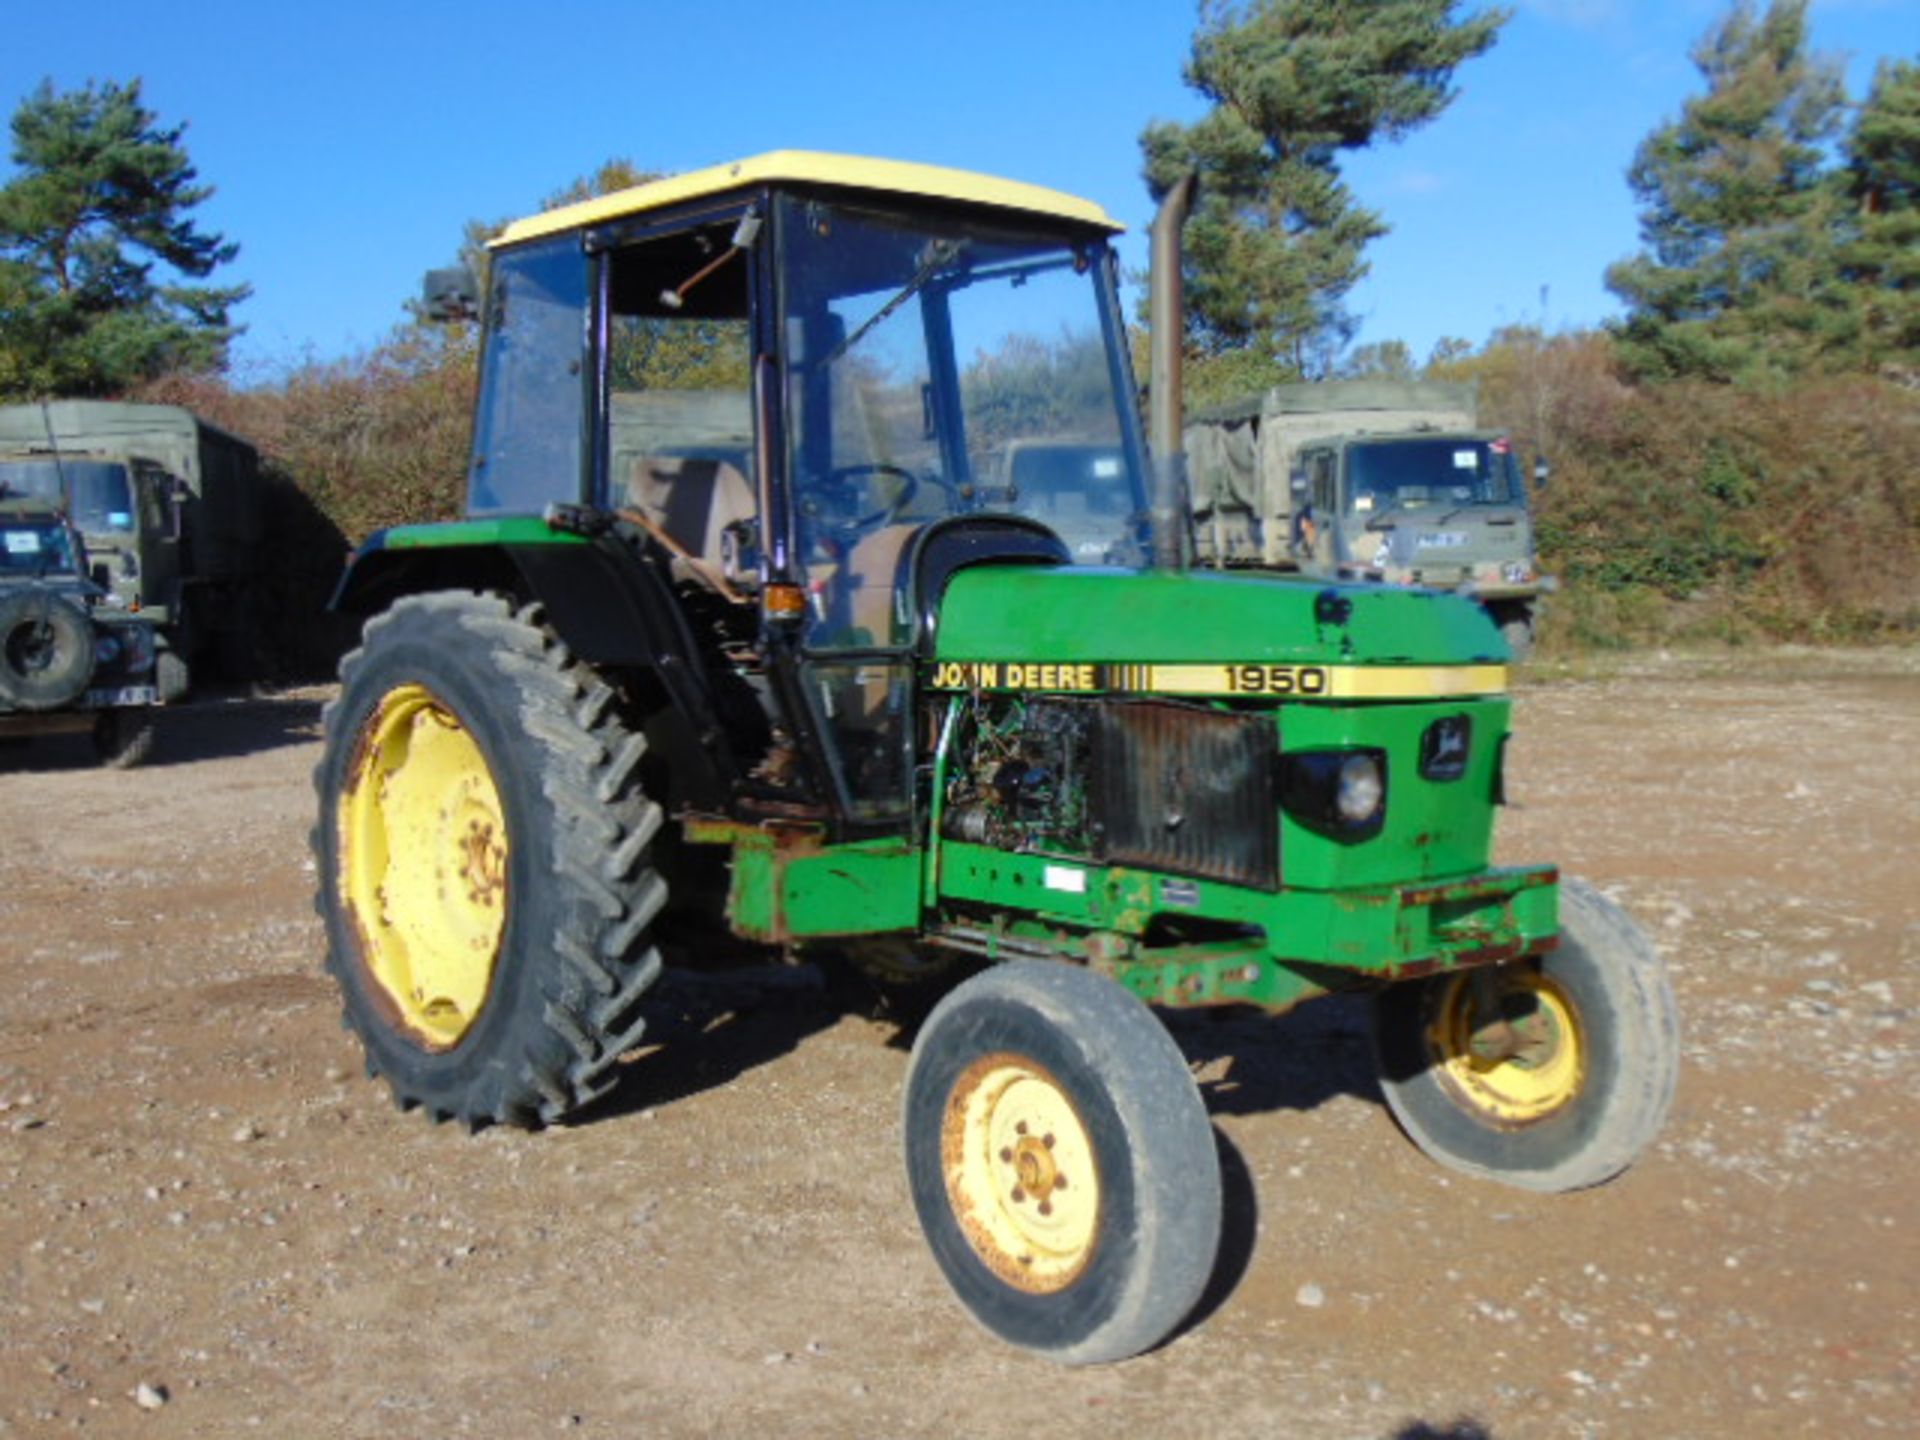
1061 1162
46 651
171 677
1549 1075
483 849
123 739
1516 628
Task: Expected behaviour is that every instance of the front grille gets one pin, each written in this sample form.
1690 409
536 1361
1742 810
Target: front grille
1187 790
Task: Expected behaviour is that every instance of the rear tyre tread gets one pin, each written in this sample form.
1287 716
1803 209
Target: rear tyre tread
597 965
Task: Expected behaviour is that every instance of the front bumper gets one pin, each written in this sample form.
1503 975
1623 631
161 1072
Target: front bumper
1277 948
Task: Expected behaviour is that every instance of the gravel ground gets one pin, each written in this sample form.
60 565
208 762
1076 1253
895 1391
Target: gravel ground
210 1225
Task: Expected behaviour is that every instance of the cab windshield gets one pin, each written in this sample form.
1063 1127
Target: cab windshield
36 547
95 492
942 370
1411 474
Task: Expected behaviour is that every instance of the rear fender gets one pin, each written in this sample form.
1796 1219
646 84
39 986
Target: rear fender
612 610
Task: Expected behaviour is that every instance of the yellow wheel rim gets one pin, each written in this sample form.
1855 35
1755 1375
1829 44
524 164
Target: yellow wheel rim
423 864
1508 1046
1020 1173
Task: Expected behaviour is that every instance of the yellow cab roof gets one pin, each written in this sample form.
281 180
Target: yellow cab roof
813 167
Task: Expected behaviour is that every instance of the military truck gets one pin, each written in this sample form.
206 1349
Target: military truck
841 652
170 504
71 659
1390 481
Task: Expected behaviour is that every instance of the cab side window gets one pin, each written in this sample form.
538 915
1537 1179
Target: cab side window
679 399
527 433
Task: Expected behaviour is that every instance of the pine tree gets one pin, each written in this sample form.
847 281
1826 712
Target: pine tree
1882 256
1276 240
102 195
1741 221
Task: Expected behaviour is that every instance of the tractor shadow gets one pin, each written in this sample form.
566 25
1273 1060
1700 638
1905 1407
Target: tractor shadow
707 1027
1254 1064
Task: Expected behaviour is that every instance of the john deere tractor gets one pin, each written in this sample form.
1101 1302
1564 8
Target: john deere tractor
817 582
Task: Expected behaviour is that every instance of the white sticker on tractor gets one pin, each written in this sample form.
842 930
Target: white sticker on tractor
1466 460
22 542
1060 877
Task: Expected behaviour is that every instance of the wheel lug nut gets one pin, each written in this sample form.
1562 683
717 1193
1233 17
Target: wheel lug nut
1046 1207
1019 1195
1047 1140
1006 1155
1059 1182
1020 1128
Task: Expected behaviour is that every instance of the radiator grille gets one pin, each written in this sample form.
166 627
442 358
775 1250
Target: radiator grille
1188 790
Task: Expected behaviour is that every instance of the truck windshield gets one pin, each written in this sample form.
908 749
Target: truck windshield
1409 474
35 547
937 370
96 493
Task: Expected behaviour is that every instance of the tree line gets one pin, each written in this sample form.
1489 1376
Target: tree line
1738 455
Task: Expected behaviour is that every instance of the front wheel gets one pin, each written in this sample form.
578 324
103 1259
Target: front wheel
1550 1075
1061 1162
123 739
484 853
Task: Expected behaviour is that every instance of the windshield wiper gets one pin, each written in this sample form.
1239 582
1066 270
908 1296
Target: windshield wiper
939 253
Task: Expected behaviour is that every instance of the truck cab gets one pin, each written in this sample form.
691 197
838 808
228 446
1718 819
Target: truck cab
1441 509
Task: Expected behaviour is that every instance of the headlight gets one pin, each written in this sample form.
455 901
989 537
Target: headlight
106 649
1362 788
1518 572
1339 793
140 648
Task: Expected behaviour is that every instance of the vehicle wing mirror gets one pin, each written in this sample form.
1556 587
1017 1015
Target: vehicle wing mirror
450 294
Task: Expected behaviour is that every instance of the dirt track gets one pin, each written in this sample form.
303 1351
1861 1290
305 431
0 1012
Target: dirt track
199 1192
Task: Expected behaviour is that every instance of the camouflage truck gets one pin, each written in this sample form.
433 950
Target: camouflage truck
1389 481
169 504
71 659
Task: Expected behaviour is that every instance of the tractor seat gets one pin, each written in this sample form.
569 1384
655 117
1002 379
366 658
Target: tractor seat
692 499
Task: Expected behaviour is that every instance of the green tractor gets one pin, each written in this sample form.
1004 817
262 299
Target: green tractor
817 582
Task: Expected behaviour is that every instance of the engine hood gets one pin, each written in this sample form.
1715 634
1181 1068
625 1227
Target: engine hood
1080 616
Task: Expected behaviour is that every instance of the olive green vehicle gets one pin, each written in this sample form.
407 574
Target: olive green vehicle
761 613
172 511
71 659
1392 481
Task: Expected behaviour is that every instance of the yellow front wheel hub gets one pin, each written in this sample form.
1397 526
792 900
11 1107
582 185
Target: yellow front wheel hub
1508 1047
1020 1173
423 864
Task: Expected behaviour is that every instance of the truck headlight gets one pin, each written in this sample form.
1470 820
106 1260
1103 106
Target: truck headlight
1518 572
1340 793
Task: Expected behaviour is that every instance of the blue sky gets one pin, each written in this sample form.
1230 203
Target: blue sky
349 141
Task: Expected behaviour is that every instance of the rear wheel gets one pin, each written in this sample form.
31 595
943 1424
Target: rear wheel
1550 1075
484 852
1061 1162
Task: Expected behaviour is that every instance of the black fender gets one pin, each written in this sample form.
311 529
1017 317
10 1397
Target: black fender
614 608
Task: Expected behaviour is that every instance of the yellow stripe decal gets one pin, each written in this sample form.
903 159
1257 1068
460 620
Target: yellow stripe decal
1298 682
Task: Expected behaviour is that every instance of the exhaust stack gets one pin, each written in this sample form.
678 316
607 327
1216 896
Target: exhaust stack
1166 324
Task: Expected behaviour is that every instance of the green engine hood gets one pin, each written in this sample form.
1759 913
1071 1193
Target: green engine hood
1070 615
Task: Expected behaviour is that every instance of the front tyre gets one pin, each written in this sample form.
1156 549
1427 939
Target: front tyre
1061 1162
1550 1075
123 739
483 850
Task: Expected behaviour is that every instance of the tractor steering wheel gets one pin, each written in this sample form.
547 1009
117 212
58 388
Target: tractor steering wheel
874 520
